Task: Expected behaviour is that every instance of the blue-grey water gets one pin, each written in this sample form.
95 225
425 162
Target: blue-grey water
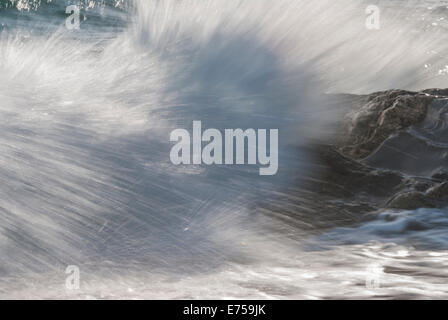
85 174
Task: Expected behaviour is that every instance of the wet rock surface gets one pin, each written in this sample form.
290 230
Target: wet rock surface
353 182
391 114
410 201
440 175
384 114
416 119
388 150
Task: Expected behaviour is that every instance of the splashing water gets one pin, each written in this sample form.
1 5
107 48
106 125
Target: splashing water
84 147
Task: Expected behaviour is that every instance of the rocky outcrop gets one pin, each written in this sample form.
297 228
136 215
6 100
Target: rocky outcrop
440 175
343 185
384 114
435 197
410 201
379 116
353 182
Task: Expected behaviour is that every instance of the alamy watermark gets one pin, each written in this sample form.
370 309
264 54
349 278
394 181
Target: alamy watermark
72 22
231 150
373 17
73 279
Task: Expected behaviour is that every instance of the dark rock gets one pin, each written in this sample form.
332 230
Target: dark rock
421 186
410 201
441 175
343 185
437 92
385 113
435 197
347 177
439 192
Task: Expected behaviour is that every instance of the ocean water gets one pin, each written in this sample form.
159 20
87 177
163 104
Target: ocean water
85 173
